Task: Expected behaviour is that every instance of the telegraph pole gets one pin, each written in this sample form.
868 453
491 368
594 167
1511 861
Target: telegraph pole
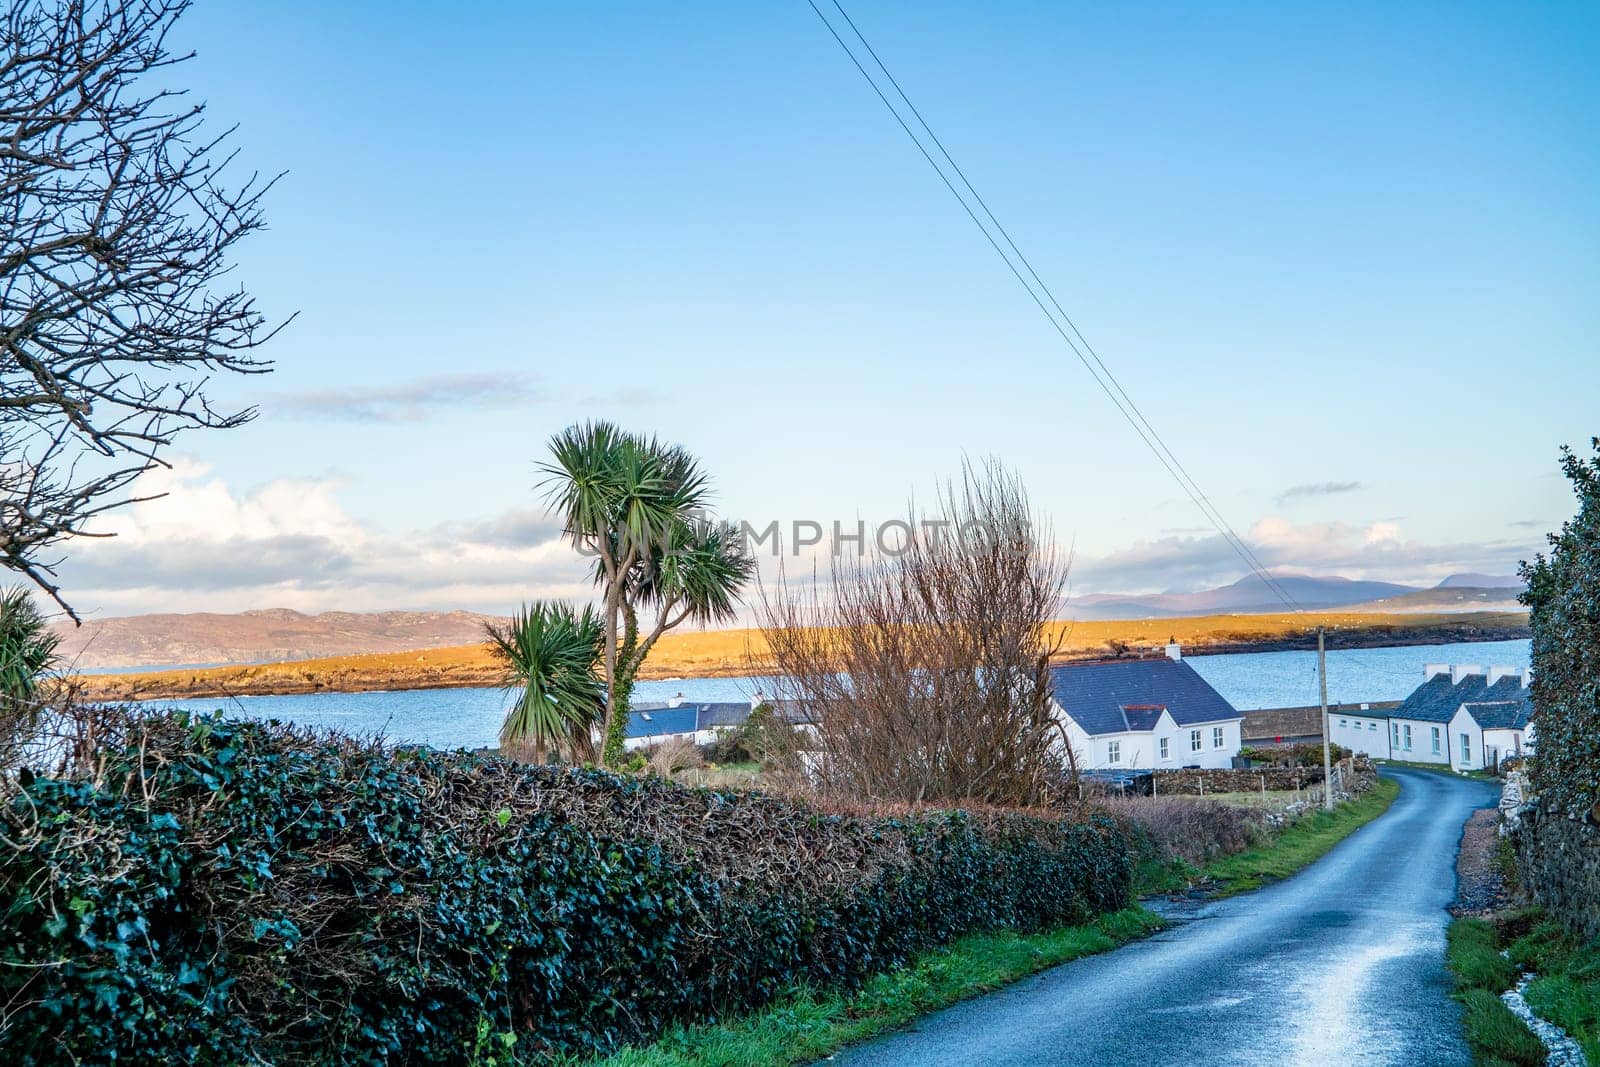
1327 757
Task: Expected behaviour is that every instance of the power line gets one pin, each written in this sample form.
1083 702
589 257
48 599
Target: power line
1086 354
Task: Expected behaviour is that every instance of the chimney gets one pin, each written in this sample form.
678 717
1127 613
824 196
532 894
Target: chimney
675 701
757 699
1432 669
1527 676
1462 670
1497 673
1174 650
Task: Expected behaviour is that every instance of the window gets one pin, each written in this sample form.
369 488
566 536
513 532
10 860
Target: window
1394 734
1346 723
1435 740
1216 737
1372 726
1407 745
1194 740
1166 748
1113 751
1466 749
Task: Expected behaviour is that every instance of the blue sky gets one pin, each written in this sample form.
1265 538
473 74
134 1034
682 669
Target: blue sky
1349 248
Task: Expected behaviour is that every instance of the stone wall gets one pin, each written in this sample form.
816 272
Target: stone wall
1558 858
1193 781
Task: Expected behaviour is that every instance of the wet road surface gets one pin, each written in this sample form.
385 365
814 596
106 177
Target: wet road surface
1341 964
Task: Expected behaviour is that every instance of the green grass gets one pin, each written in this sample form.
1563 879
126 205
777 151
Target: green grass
1287 852
1567 989
1300 844
1496 1035
1493 1031
1474 957
810 1024
1440 768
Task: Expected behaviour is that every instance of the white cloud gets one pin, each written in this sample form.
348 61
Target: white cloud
1377 550
205 546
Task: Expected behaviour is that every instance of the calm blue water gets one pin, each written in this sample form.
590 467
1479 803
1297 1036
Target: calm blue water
470 718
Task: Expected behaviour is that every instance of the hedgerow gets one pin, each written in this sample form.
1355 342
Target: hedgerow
219 891
1563 598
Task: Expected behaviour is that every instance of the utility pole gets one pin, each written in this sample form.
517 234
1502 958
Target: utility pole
1327 757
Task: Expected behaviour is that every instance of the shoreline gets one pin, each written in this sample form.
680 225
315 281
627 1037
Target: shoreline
739 653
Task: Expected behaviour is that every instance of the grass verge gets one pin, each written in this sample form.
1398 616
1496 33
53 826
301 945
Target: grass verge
809 1024
1494 1033
1300 844
1567 989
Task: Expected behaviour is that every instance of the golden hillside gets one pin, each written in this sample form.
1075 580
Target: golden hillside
720 653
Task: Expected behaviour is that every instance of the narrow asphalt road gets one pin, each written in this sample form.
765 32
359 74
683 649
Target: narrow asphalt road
1341 964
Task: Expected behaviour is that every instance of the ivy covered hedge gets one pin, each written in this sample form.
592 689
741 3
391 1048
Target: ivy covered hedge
1563 598
226 892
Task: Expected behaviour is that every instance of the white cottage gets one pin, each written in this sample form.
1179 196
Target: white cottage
1144 714
1464 717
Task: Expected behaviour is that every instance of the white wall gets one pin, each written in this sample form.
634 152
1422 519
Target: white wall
1503 743
1141 750
1421 747
1210 756
1463 723
633 744
1360 732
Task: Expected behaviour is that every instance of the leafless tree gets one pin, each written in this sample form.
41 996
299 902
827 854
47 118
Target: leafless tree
927 671
116 223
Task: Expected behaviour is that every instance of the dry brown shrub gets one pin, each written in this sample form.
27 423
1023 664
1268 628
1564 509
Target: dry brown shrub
926 671
674 756
1190 828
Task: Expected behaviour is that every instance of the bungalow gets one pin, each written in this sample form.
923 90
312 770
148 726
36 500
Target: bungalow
1463 717
1145 714
699 721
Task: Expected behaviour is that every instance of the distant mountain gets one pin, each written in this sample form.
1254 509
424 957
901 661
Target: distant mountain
261 636
1451 598
1248 596
1482 581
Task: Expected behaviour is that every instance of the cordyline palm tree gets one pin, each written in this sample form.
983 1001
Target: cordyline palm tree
551 654
634 504
27 653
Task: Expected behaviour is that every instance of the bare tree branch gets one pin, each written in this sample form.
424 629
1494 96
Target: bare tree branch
928 672
115 233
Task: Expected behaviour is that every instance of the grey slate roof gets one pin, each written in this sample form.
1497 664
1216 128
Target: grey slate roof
713 716
1114 696
660 720
1438 699
657 719
1501 714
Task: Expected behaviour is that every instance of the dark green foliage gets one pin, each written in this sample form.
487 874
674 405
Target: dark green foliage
229 892
1307 754
1474 957
762 738
1496 1035
1564 600
551 653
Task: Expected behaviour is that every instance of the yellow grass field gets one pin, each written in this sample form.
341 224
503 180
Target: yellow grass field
720 653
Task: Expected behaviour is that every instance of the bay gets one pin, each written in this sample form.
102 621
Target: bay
470 718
